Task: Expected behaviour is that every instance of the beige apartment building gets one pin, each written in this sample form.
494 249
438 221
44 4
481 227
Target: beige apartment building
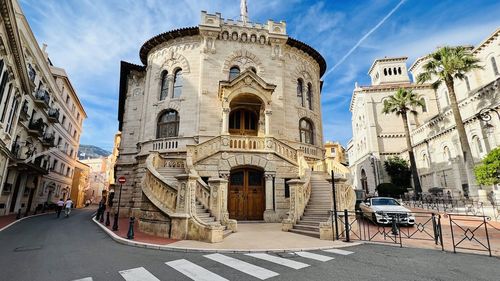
41 119
80 184
377 136
98 178
215 125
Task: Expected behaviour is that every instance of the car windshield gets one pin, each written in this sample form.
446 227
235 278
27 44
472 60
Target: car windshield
384 201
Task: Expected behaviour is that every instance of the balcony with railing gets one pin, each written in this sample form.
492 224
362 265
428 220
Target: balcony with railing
36 128
16 150
42 98
48 140
53 115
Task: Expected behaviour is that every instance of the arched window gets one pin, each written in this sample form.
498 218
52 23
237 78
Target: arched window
399 70
390 71
424 105
300 92
494 65
178 83
446 154
306 131
164 85
234 72
364 181
168 125
477 143
309 96
425 160
385 71
395 71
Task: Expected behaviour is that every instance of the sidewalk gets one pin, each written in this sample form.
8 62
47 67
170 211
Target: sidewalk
8 220
251 237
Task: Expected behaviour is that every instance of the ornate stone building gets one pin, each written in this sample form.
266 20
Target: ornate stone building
215 123
377 136
41 119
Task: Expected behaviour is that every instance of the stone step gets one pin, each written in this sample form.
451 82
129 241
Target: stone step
306 222
203 215
306 227
305 232
315 218
316 213
226 233
207 219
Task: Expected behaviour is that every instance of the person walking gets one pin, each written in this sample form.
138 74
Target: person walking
68 206
60 205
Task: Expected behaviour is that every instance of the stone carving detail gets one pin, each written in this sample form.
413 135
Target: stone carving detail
182 194
244 60
175 164
170 62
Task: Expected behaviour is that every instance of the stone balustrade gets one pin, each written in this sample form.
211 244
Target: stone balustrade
300 192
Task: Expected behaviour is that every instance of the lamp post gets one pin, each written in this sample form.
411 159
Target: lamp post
121 180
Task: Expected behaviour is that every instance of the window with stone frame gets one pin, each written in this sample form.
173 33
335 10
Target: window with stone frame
168 124
178 83
164 85
306 131
233 73
309 96
300 92
479 147
424 105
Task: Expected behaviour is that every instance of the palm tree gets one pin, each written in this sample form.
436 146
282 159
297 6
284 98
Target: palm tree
445 65
401 103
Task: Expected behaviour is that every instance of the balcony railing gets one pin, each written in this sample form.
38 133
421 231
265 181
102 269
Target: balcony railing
42 97
16 149
53 115
48 140
36 128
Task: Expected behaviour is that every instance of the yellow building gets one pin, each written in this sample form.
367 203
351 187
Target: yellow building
80 184
335 160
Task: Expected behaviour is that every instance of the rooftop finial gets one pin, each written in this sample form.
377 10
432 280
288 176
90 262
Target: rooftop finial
244 11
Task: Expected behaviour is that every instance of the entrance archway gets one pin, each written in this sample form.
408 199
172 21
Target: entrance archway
246 196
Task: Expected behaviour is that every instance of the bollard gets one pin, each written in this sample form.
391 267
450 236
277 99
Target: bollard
98 215
395 226
18 214
107 218
115 223
130 234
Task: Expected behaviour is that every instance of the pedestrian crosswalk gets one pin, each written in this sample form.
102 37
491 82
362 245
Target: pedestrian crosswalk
197 271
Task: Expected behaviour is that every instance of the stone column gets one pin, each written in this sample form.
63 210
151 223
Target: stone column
269 213
218 196
225 121
170 79
267 121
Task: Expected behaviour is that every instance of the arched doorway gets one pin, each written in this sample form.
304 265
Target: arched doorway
246 196
244 116
364 181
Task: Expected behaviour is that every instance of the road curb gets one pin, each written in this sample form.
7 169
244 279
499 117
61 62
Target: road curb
21 219
132 243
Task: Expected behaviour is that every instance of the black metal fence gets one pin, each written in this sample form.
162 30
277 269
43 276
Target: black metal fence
460 232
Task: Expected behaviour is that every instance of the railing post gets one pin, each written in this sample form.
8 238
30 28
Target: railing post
335 206
347 226
487 236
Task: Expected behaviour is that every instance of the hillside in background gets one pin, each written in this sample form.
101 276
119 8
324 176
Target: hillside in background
91 151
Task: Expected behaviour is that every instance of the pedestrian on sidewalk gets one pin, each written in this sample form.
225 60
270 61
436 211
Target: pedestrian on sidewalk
68 205
60 205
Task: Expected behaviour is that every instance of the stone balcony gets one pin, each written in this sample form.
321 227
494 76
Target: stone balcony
53 115
48 140
36 128
24 115
42 98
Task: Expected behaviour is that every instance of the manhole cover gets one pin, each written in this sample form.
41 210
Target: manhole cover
287 255
27 248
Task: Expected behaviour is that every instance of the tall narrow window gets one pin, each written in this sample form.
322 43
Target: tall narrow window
477 143
309 96
494 65
446 154
446 98
13 111
168 125
306 131
467 83
233 72
178 83
3 83
424 105
300 92
7 100
164 85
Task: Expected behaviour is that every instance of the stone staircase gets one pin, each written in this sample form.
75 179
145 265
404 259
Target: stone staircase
318 208
169 173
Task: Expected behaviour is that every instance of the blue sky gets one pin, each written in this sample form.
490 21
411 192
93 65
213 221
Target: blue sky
89 38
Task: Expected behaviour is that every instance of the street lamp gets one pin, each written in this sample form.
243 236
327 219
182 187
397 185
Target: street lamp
484 115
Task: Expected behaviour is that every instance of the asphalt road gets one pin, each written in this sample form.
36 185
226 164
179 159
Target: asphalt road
66 249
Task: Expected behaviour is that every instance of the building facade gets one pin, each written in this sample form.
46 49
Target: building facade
377 136
80 184
98 183
42 119
221 115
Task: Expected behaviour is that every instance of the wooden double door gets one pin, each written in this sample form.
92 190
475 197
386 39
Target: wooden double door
246 196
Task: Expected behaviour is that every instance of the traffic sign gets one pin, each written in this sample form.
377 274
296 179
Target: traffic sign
122 180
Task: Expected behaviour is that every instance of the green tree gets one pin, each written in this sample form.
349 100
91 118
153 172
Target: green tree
488 172
402 103
445 65
399 172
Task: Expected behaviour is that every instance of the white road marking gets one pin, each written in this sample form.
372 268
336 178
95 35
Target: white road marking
193 271
314 256
278 260
138 274
245 267
85 279
339 252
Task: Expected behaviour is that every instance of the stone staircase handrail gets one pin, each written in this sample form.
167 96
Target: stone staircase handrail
300 193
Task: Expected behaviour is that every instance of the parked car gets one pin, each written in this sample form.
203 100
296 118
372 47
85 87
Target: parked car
383 210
